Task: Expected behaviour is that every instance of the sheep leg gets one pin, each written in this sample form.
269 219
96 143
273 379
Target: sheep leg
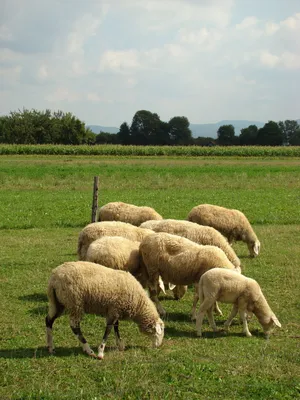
49 323
117 335
204 306
109 325
75 326
153 296
195 301
233 313
243 316
211 319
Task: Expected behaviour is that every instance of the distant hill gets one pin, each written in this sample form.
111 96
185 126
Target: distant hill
99 128
202 130
210 130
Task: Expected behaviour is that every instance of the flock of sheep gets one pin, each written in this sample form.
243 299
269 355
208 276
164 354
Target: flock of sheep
133 248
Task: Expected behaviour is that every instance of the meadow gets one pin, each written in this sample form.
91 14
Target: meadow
45 200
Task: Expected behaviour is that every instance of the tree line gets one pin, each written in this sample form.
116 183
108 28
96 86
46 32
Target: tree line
146 128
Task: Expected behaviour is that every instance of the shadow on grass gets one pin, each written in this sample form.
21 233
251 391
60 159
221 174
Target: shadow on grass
207 333
245 257
42 352
34 297
42 310
177 316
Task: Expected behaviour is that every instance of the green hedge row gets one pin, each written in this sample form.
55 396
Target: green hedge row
185 151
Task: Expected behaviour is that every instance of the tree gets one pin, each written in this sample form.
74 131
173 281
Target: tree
90 136
124 135
270 135
226 135
295 139
288 128
179 131
204 141
163 137
248 135
39 127
107 138
145 127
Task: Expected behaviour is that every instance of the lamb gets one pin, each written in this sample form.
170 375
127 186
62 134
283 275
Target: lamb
118 253
81 287
180 261
197 233
233 224
119 211
96 230
244 293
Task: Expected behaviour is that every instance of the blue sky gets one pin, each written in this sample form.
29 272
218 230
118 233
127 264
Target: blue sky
208 60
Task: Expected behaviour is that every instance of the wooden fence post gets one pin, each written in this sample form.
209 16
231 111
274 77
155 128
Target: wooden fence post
95 198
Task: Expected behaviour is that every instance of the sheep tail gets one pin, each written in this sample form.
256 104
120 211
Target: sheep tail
55 308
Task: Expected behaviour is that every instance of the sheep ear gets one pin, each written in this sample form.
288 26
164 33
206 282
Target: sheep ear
275 320
161 284
256 248
159 328
171 286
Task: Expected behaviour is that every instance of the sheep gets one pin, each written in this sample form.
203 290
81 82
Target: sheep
180 261
233 224
81 287
244 293
119 211
96 230
196 233
118 253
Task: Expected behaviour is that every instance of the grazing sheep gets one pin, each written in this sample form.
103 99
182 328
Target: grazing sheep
117 252
96 230
233 224
135 215
196 233
244 293
179 261
82 287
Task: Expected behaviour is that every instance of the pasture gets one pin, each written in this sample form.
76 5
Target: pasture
45 200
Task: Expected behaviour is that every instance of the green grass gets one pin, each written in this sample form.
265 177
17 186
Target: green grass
44 203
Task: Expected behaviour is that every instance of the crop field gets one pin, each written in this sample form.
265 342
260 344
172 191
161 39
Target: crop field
45 200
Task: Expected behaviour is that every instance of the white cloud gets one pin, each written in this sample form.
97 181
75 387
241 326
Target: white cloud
93 97
161 15
292 23
271 28
10 75
119 61
83 28
43 72
247 22
291 60
244 81
5 33
268 59
204 39
62 94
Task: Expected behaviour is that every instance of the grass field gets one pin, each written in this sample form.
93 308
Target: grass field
46 200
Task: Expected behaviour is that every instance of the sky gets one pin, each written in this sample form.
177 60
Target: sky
208 60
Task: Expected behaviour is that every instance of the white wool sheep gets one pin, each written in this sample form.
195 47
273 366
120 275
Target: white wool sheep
118 253
200 234
179 261
233 224
244 293
119 211
96 230
82 287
